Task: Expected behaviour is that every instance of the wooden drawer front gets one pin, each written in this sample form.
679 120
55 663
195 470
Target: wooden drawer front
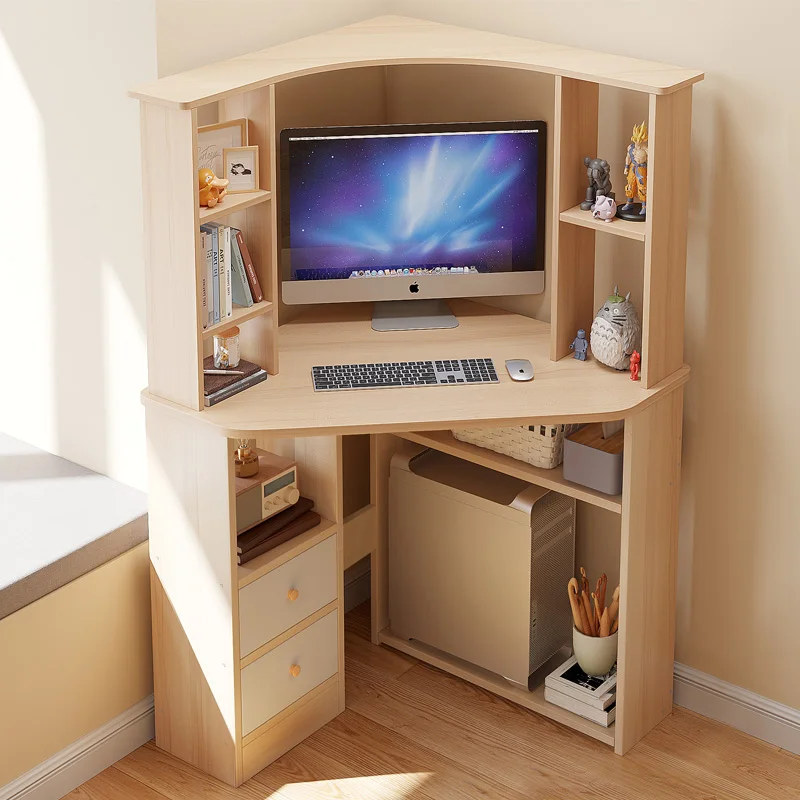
265 606
268 685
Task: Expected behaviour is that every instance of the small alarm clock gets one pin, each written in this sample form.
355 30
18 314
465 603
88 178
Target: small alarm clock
272 489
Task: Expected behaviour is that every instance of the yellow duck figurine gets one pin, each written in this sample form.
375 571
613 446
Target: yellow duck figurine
212 188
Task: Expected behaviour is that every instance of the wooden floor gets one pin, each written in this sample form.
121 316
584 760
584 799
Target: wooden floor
413 732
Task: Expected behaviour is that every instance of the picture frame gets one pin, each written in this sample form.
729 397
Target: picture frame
213 139
240 167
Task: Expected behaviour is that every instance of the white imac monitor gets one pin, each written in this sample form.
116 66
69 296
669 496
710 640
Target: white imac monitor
412 213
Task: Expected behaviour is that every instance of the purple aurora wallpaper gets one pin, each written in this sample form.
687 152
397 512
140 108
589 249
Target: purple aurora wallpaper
387 201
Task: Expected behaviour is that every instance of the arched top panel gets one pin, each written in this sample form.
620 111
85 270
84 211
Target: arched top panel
401 40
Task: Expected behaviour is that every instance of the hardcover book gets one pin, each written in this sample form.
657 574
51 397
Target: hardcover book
225 286
261 531
212 229
252 277
204 282
240 288
235 388
213 383
307 521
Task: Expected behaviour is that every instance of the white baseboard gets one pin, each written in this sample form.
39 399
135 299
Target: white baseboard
85 758
747 711
355 593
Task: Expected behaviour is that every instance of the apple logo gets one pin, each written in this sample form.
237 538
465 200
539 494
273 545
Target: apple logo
414 288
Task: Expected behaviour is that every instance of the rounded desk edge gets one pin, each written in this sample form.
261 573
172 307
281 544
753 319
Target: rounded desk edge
649 396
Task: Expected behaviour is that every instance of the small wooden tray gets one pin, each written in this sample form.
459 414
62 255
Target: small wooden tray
269 465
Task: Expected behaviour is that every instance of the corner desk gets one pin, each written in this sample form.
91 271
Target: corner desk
231 712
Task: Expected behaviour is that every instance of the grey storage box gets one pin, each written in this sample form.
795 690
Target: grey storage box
593 461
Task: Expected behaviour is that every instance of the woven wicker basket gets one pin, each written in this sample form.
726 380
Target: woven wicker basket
538 445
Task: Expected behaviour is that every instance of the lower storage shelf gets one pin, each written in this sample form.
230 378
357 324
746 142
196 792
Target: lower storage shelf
533 700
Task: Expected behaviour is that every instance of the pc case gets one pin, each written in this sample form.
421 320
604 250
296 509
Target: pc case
479 563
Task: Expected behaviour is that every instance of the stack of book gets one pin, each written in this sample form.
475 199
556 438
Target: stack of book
230 277
593 698
221 387
285 525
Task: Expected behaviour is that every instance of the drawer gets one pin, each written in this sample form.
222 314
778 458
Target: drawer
292 669
267 607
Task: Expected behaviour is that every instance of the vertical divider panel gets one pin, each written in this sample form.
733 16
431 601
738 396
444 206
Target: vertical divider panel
172 245
669 140
648 568
194 593
574 138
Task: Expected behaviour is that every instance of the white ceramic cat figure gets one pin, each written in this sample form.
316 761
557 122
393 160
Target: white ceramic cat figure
616 332
604 208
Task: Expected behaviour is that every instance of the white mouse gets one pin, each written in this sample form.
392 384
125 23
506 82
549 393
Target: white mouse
520 369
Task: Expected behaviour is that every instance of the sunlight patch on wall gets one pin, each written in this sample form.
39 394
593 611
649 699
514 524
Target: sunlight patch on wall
26 291
123 346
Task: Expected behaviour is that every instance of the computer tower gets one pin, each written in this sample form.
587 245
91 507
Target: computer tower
479 563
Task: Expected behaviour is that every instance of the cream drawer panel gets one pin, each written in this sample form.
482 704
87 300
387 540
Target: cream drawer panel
269 684
266 608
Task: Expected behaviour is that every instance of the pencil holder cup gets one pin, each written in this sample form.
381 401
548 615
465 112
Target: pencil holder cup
595 654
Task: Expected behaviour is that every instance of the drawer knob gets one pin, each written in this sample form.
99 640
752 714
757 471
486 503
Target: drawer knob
293 594
294 670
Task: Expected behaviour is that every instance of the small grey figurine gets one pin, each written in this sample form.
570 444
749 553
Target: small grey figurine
599 175
580 345
616 332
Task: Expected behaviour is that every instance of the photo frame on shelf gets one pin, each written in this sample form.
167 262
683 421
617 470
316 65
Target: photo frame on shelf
240 167
213 139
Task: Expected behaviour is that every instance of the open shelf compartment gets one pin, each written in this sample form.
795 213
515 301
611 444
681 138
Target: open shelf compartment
553 479
618 227
232 203
533 699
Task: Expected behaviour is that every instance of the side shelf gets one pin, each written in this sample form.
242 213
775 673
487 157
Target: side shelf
548 478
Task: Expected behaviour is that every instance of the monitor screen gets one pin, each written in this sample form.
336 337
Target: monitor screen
412 200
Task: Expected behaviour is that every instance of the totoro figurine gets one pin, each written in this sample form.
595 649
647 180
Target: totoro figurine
616 332
605 208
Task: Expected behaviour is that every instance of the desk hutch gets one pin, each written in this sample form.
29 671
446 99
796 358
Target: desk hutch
232 712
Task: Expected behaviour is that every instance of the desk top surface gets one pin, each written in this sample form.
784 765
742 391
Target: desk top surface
566 390
398 40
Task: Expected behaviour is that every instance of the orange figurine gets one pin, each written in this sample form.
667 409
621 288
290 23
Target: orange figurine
212 188
636 359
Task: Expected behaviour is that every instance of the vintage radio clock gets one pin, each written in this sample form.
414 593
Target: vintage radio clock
273 488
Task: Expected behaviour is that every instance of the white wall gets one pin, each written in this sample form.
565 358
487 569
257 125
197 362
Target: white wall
71 270
71 277
739 545
196 32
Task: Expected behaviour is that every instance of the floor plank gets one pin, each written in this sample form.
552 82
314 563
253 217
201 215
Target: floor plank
412 732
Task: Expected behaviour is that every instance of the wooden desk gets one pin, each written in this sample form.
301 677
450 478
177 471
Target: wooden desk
286 404
192 514
390 70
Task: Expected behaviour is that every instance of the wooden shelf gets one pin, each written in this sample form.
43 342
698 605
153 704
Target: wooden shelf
268 561
534 700
619 227
240 314
232 203
445 442
393 39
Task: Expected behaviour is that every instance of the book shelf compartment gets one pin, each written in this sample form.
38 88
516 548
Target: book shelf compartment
240 314
232 203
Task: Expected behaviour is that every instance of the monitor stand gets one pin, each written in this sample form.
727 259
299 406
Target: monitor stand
412 315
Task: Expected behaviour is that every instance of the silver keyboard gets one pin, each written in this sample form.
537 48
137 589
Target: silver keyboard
445 372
